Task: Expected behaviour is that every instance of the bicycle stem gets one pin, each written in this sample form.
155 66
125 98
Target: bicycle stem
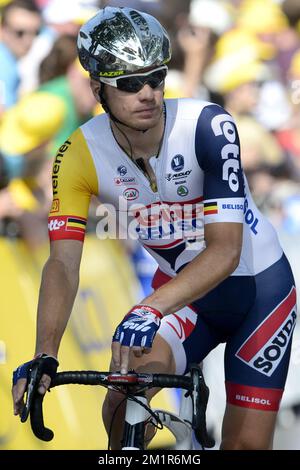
134 426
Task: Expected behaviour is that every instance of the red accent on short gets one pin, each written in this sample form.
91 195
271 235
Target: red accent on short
186 327
265 399
159 279
267 329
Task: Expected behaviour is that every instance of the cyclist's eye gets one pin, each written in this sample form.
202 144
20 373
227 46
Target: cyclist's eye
154 82
159 76
132 84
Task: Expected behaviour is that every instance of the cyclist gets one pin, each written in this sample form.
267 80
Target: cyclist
173 167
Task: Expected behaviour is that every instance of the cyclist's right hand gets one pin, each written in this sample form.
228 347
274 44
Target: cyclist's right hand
31 376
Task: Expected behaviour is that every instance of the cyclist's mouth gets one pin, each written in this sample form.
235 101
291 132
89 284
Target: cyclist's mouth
146 111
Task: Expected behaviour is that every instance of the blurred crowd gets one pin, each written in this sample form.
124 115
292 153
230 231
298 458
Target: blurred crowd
242 54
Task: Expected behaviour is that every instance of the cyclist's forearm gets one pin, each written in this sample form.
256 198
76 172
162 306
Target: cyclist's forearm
57 293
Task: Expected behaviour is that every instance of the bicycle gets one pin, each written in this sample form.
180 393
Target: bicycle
191 417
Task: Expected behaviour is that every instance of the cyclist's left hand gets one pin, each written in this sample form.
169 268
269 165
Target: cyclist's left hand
136 331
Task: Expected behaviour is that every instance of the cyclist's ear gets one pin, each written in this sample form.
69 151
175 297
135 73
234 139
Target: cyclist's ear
96 89
98 92
103 99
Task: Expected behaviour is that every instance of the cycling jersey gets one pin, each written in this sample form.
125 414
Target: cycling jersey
199 180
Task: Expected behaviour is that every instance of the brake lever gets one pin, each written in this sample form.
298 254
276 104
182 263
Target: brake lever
32 386
199 408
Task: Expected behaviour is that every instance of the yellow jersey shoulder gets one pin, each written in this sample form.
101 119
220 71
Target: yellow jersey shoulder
74 180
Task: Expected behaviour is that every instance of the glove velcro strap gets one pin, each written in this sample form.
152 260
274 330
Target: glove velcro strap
48 364
146 309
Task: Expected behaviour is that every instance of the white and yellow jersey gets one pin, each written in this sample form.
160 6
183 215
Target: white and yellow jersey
199 181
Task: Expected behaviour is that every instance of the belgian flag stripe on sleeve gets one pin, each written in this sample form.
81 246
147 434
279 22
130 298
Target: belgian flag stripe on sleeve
76 223
210 207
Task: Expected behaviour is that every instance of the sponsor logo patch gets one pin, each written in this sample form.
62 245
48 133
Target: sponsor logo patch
260 401
122 170
55 206
55 224
177 163
223 125
182 191
178 176
131 194
112 74
182 219
253 397
265 348
124 180
233 207
56 165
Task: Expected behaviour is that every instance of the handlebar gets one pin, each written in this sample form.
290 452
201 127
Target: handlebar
193 383
117 379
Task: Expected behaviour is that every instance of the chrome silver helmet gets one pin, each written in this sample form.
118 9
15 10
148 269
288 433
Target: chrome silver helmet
118 41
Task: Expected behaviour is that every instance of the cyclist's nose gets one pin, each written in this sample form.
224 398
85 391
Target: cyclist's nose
146 93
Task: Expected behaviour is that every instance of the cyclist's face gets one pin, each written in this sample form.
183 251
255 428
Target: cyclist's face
141 110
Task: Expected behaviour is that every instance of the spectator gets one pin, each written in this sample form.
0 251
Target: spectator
61 17
236 75
25 132
289 135
20 24
62 76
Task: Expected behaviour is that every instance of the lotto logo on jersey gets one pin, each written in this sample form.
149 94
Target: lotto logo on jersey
55 224
230 151
168 221
265 348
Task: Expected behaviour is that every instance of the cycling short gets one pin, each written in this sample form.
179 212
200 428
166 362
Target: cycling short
255 316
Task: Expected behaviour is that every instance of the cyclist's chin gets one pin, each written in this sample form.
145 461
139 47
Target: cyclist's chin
144 121
146 124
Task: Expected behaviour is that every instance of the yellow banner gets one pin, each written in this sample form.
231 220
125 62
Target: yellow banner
108 288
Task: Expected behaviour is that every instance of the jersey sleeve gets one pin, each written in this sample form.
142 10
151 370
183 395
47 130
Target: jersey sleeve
74 180
218 153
